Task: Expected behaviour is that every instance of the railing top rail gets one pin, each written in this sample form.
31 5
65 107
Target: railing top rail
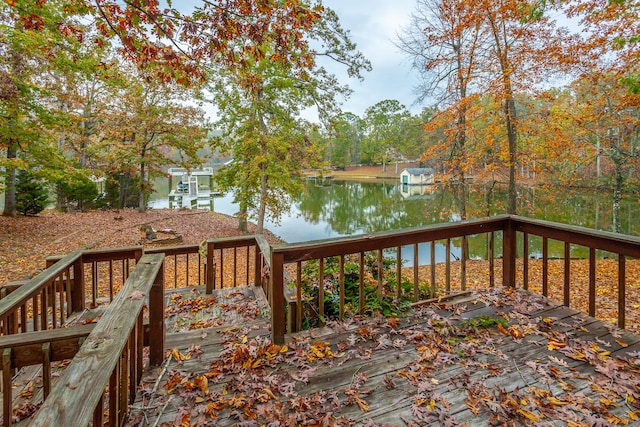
173 250
608 241
233 242
388 239
104 254
265 248
72 401
33 286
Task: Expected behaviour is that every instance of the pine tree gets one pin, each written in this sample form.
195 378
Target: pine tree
31 194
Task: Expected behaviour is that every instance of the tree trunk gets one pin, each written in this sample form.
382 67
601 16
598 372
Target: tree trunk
263 202
142 206
242 215
617 198
10 181
510 114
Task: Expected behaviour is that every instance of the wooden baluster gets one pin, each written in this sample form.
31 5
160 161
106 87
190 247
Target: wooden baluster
567 274
448 268
187 270
525 260
110 280
463 264
34 312
235 266
545 266
321 293
361 285
44 324
61 300
592 282
67 293
222 269
247 266
7 398
433 269
94 283
380 274
398 274
52 299
140 349
492 260
257 269
114 399
98 413
341 283
175 271
23 318
46 368
133 362
125 374
416 266
299 302
622 280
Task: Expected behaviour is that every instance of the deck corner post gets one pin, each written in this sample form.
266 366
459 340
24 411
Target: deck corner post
7 400
276 293
257 267
509 254
156 319
210 269
78 295
137 254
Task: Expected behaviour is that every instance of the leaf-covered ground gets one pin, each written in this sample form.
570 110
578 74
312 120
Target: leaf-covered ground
502 357
477 277
27 241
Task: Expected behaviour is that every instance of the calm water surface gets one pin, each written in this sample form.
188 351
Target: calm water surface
345 208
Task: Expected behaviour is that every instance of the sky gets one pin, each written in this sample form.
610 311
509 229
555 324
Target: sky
374 26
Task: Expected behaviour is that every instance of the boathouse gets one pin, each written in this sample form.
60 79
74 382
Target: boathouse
417 176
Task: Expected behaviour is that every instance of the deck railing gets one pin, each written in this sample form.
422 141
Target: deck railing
45 301
515 252
32 313
103 272
513 255
104 374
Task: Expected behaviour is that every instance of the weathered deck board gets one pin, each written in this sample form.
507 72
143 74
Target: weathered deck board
511 369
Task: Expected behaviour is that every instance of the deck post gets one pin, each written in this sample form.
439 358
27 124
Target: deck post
276 293
210 269
509 254
156 319
257 267
137 254
77 290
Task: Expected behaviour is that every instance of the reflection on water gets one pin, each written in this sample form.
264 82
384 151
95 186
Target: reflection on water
351 208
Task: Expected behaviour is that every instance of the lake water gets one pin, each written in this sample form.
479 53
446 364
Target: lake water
344 208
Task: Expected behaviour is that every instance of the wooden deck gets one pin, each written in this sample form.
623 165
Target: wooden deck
448 363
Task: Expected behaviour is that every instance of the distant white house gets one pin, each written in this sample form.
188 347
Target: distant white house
417 176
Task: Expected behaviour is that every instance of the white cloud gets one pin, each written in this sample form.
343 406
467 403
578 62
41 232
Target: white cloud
373 26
